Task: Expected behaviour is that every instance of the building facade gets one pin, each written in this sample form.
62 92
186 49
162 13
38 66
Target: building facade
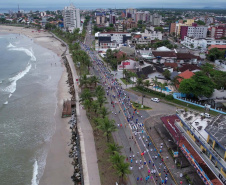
117 37
218 32
71 16
193 31
155 19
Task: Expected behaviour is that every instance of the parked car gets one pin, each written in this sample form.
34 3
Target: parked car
206 115
155 100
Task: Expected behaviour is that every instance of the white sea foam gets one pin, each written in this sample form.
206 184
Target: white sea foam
35 173
6 103
11 46
10 95
12 87
1 81
27 51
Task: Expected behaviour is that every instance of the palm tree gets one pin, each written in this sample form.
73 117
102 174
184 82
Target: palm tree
122 169
101 100
147 83
124 72
95 105
139 82
113 148
162 86
84 81
103 111
94 80
87 104
117 158
99 91
107 126
155 81
85 95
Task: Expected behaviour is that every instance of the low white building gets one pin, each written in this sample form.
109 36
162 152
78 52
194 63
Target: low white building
128 64
194 43
151 34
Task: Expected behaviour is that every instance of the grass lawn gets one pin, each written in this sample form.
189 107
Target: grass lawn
175 101
126 82
138 106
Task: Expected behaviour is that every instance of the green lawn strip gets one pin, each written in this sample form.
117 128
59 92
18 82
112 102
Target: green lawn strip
138 106
175 101
124 81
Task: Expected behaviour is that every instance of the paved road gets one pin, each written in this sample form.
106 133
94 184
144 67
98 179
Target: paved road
141 150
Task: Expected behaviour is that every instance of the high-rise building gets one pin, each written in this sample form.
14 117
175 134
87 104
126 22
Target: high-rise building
72 19
218 32
112 19
130 13
155 19
193 31
100 18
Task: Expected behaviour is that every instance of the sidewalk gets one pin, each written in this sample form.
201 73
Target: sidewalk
88 149
160 135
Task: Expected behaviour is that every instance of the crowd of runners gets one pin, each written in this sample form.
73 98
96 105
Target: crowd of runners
147 159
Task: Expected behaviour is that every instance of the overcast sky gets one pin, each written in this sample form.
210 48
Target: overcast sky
115 3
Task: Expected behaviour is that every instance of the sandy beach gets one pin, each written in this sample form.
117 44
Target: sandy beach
58 169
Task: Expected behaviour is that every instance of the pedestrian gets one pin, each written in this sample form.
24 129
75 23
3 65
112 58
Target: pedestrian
149 161
130 149
138 178
141 179
131 160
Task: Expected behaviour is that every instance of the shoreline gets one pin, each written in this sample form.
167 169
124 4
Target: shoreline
58 167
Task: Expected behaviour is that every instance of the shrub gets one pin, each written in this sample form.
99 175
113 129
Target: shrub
169 97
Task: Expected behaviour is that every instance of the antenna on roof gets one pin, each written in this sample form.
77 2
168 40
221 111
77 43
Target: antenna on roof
18 7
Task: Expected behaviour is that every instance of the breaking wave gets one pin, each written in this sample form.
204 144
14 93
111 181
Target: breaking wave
12 87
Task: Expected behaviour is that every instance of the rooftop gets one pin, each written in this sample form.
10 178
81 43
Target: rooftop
217 129
164 54
190 67
217 46
186 56
186 74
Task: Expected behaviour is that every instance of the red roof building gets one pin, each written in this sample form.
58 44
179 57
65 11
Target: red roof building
185 75
220 47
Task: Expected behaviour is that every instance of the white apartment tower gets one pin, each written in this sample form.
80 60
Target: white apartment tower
71 18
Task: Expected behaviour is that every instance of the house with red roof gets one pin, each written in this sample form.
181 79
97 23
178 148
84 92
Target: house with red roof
185 75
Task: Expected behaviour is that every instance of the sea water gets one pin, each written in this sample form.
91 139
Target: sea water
28 89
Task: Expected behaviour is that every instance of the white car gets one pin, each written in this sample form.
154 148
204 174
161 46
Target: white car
206 115
155 100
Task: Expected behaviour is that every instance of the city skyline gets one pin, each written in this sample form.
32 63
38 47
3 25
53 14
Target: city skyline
88 4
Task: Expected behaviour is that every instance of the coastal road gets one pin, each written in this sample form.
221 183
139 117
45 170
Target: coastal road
141 142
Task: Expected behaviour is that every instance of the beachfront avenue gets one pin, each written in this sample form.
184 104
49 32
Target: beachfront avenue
146 163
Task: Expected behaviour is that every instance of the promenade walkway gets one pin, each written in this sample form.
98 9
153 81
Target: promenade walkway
88 149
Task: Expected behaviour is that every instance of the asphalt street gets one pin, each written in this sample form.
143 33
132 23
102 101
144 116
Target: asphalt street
145 161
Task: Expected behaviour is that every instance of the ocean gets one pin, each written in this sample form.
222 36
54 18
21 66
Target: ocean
29 76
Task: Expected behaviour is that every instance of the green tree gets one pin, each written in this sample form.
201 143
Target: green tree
113 148
94 80
199 84
215 54
139 82
85 95
84 81
99 91
122 169
167 74
95 106
199 22
107 126
147 83
159 28
103 111
155 81
101 100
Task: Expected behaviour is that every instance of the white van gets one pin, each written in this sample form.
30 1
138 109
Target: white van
206 115
155 99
